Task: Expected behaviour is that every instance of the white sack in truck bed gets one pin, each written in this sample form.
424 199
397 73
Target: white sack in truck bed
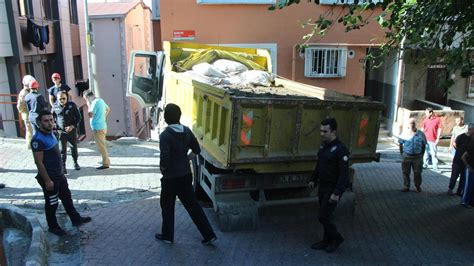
209 70
229 66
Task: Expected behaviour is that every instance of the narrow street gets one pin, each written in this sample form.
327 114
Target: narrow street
388 226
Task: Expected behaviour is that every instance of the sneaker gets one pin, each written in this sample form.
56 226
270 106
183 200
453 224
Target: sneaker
333 245
466 205
102 167
451 192
162 238
209 241
405 189
76 166
64 170
57 231
82 220
323 244
2 185
418 189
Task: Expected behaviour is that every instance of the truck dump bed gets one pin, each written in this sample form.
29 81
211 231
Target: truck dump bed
267 129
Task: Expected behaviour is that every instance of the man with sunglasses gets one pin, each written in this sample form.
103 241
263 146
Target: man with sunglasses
57 87
67 118
332 175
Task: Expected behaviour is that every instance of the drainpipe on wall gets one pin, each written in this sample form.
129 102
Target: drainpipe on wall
399 84
293 62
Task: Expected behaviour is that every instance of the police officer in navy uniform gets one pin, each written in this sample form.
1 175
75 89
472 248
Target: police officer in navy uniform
67 118
50 175
35 103
331 173
57 87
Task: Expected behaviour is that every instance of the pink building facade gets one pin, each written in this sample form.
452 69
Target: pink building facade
334 61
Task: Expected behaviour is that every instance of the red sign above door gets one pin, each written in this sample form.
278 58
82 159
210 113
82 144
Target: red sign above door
184 35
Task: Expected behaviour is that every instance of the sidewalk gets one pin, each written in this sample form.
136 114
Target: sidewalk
388 226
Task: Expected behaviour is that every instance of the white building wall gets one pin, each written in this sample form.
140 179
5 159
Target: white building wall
107 56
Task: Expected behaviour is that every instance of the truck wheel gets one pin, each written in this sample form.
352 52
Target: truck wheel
198 190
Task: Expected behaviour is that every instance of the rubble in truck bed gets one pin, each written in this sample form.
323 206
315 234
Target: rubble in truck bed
278 91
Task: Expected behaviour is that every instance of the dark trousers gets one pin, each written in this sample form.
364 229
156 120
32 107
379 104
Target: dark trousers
326 217
183 188
70 137
60 192
410 162
457 169
467 196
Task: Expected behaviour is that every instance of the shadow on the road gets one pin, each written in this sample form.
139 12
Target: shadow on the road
91 171
33 197
132 150
136 165
26 171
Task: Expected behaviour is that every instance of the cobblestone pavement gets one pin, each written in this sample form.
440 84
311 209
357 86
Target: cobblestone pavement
388 226
133 175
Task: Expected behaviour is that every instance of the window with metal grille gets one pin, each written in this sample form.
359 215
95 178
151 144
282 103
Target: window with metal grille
235 2
322 62
342 2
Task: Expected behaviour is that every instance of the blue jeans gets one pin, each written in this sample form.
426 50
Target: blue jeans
431 151
468 188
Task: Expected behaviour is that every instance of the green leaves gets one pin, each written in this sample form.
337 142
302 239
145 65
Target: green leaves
439 30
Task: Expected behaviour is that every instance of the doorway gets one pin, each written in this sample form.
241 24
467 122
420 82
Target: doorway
435 80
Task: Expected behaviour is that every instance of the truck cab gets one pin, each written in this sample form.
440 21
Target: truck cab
145 79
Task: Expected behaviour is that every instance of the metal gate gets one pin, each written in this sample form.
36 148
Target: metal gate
6 101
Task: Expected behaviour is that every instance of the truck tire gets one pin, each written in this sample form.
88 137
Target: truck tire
198 190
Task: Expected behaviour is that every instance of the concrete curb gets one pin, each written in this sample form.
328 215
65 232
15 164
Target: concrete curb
11 140
15 217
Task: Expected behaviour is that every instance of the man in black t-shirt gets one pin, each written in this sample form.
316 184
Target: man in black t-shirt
50 175
468 159
57 87
458 168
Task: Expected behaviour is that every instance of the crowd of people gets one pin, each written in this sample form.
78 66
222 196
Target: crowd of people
48 124
417 147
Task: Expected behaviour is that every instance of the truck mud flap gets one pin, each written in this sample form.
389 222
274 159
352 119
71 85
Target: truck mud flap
237 212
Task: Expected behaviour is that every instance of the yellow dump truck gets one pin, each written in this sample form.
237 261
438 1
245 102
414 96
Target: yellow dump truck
259 144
